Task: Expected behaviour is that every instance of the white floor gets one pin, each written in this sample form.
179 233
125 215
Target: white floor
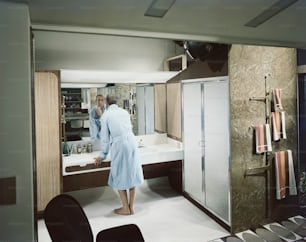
160 213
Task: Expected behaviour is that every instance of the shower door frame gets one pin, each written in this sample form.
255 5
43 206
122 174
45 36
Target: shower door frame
226 224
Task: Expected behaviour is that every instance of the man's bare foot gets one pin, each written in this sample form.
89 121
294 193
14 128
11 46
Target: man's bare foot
122 211
131 211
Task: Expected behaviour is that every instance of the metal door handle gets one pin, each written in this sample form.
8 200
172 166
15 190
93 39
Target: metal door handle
201 143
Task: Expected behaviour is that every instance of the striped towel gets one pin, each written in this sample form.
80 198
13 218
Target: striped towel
279 126
277 93
284 171
263 138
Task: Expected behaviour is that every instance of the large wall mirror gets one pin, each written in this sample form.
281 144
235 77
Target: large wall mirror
136 99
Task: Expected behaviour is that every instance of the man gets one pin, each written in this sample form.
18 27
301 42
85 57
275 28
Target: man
126 170
94 118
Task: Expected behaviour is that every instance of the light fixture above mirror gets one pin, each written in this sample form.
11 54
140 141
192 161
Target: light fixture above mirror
94 78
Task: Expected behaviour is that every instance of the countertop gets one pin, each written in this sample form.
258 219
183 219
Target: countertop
151 154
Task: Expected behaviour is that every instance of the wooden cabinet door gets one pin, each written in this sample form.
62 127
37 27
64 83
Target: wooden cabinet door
47 123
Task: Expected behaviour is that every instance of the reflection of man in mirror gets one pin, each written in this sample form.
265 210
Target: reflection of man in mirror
94 118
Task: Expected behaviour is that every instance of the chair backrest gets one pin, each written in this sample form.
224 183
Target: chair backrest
66 220
124 233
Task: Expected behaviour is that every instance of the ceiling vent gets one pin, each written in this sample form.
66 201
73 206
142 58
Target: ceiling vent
159 8
270 12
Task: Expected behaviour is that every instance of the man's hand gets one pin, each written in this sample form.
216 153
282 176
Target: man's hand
99 111
98 160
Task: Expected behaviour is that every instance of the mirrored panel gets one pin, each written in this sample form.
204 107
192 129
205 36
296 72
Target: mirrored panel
136 99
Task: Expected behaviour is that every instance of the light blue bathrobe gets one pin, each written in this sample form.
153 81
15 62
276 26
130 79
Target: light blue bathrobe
117 136
94 124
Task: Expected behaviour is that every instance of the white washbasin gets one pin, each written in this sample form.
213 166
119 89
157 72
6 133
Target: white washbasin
145 149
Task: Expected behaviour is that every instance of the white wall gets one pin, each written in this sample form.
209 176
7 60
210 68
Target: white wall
59 50
17 221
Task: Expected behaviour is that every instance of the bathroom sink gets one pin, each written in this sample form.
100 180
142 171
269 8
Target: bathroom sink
146 149
151 148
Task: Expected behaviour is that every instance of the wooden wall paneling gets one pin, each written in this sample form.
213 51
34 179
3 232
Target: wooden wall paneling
160 107
48 152
174 110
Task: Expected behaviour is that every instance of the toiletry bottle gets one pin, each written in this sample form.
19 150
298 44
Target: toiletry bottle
89 147
66 149
79 149
74 149
84 148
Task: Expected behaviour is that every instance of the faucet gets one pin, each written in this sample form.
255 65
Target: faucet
140 143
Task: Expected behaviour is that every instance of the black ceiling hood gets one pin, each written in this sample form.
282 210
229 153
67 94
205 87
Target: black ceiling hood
215 54
110 84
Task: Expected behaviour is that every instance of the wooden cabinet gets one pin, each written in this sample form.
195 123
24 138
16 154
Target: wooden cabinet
48 137
75 182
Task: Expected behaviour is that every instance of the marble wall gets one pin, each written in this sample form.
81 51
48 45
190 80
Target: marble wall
248 66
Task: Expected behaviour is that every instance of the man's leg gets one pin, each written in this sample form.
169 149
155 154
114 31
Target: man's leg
124 210
132 199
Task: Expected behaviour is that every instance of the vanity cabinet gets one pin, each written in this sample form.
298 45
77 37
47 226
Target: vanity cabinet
205 109
48 137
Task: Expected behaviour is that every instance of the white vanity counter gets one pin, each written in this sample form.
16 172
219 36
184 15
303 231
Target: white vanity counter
152 149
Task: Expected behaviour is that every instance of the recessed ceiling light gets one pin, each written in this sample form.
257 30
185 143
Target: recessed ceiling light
159 8
270 12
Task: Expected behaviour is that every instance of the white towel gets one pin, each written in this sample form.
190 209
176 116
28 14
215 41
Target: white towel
277 101
279 126
284 171
263 138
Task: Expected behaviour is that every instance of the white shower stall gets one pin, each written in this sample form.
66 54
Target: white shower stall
206 140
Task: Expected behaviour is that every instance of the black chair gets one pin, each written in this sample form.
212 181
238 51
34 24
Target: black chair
124 233
66 221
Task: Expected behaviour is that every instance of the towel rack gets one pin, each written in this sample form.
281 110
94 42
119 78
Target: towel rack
258 170
267 101
265 168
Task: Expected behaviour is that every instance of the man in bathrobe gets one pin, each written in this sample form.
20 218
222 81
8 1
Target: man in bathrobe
94 118
126 170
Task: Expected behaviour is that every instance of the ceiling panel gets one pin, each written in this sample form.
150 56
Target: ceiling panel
197 19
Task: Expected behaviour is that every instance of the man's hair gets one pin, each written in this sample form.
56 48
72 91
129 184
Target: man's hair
99 95
111 99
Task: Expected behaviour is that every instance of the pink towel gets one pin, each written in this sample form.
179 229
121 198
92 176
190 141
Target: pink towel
284 171
263 138
279 126
277 94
